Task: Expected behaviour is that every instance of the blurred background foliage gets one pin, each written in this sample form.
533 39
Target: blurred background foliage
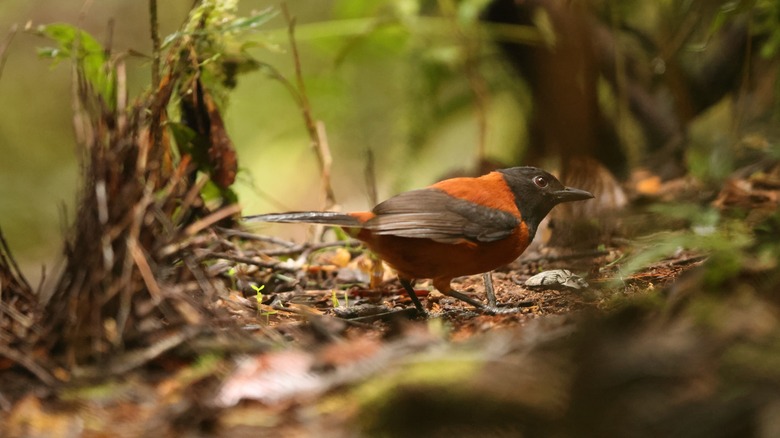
370 69
417 83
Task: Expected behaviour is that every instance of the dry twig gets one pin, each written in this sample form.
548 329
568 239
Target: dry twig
4 47
314 127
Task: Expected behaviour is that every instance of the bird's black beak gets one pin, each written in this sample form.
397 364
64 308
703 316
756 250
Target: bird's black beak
569 194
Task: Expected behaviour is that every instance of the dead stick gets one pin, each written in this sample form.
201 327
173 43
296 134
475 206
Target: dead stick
326 163
154 25
310 247
146 271
211 219
250 236
12 263
4 47
136 358
489 291
29 364
248 261
369 173
311 124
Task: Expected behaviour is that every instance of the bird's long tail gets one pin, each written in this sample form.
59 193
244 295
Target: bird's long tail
309 217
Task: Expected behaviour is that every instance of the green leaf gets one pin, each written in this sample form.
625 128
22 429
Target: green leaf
252 22
230 25
725 247
81 47
341 235
259 294
469 11
183 135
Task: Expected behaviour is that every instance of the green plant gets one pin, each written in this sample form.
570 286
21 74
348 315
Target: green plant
335 300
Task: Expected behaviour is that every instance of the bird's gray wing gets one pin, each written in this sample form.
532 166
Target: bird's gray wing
433 214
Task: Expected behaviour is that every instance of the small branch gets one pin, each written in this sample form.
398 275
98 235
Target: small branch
247 260
274 74
139 258
192 194
251 236
4 47
481 100
211 219
316 132
83 12
370 176
203 281
287 246
136 358
155 31
471 47
489 290
326 162
29 364
301 86
26 321
307 248
156 127
109 45
311 247
622 110
7 257
121 95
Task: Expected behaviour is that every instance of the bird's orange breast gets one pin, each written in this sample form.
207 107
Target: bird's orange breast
425 258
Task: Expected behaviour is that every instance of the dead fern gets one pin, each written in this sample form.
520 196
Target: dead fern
133 288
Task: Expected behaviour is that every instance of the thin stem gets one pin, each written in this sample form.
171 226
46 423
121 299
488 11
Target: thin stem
316 134
4 47
154 25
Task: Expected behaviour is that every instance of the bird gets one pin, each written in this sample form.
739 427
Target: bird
455 227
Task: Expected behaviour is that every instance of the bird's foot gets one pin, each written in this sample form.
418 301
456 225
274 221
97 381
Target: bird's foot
490 309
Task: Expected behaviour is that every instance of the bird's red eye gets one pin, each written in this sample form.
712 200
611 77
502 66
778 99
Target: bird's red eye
540 182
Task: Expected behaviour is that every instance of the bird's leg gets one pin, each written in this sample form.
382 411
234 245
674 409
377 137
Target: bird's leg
463 297
444 287
489 292
412 294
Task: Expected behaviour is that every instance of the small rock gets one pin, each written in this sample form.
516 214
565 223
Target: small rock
557 279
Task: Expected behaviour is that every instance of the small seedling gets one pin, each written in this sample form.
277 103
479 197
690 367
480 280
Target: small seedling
232 274
334 299
259 296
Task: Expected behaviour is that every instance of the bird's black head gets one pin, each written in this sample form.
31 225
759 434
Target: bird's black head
537 192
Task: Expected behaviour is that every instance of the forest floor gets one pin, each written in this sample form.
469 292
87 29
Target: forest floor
337 350
233 333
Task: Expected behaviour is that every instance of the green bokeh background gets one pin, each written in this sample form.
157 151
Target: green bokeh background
364 86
